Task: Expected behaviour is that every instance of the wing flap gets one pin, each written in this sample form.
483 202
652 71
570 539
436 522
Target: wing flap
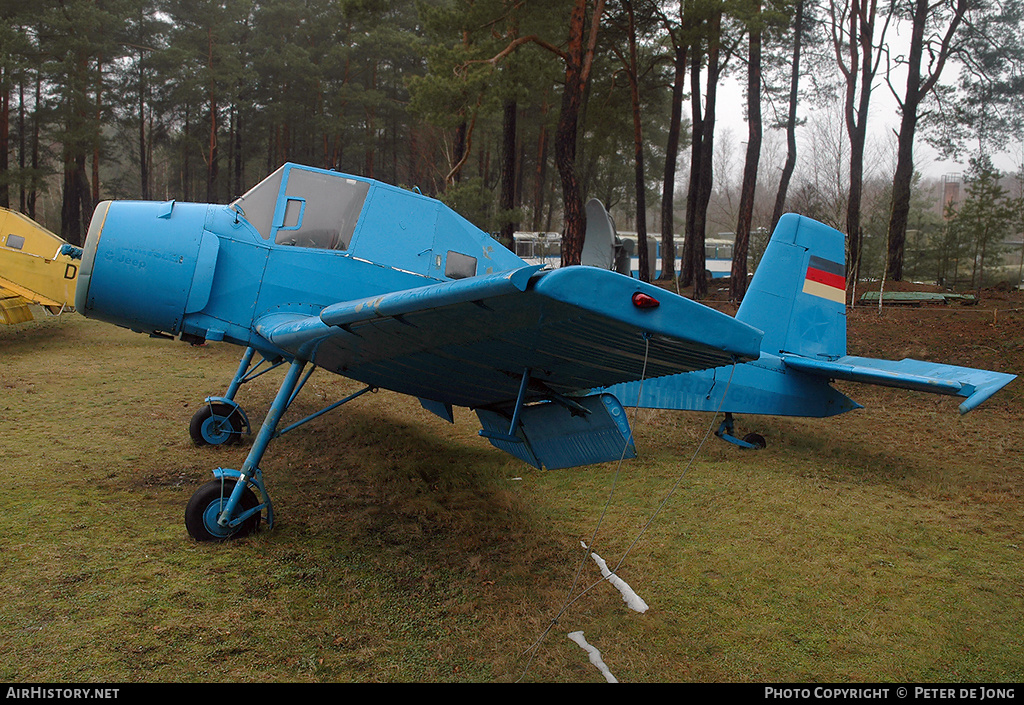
292 331
973 384
400 303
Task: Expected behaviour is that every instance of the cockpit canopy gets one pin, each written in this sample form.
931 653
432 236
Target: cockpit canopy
306 207
314 209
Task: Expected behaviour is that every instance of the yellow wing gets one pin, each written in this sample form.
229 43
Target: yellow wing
32 270
13 308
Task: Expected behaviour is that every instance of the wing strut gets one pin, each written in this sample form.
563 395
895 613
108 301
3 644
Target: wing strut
511 436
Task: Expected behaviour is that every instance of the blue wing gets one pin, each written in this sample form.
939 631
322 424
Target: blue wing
468 342
522 348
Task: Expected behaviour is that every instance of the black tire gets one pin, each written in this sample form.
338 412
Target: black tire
204 506
215 424
756 440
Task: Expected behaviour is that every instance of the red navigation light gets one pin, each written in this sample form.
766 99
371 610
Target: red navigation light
642 300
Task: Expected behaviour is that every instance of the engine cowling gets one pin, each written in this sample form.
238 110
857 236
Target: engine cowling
139 264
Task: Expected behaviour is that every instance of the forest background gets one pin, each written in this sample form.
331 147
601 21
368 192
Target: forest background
516 112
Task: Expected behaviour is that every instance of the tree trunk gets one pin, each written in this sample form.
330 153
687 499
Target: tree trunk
33 191
901 183
21 143
857 137
640 186
918 87
99 121
143 152
369 158
76 200
738 273
668 189
186 171
700 282
211 165
905 147
508 171
565 159
858 73
239 160
76 204
697 130
5 131
578 61
540 177
794 82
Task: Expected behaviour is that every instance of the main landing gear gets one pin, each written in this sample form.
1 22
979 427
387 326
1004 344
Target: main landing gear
222 421
218 423
236 502
751 441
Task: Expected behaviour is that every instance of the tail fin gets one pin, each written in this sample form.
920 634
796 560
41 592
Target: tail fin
798 293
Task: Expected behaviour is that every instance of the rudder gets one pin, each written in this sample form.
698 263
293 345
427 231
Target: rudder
798 293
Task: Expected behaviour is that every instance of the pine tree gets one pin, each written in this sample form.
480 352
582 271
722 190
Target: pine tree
985 218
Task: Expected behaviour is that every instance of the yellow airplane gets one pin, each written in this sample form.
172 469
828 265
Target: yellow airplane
32 269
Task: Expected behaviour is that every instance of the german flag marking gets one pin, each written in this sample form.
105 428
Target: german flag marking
826 279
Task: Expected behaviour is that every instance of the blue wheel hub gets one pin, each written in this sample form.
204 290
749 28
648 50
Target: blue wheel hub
210 515
217 429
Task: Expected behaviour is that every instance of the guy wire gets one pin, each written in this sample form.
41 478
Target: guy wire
570 601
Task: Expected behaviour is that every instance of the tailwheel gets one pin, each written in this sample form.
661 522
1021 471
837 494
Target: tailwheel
756 440
216 424
206 506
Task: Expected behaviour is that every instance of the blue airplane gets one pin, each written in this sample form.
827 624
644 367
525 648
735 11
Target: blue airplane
317 269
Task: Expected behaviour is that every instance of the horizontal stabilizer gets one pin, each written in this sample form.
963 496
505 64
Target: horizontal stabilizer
761 387
974 384
551 436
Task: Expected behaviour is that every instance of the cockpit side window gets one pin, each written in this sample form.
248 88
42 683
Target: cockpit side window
331 204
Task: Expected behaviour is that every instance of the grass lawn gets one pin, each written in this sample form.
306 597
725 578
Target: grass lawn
884 545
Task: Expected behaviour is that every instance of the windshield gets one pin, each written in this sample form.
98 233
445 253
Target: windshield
258 203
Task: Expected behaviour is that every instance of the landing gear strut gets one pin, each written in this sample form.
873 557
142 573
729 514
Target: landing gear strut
233 504
222 421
